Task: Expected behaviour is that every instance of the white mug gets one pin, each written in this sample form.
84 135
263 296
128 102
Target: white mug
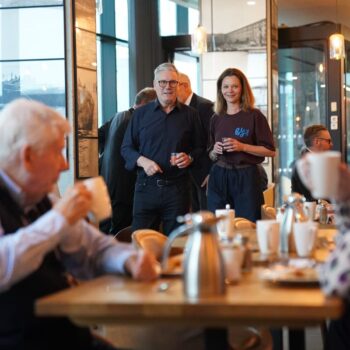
324 173
101 204
233 260
305 234
268 234
225 226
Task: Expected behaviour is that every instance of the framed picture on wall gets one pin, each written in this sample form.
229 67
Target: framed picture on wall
87 157
87 103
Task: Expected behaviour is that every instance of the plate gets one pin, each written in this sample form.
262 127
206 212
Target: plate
287 275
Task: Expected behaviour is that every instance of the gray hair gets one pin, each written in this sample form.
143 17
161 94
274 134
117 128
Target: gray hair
27 122
144 96
167 66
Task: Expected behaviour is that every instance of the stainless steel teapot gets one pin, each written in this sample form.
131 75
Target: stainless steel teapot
204 273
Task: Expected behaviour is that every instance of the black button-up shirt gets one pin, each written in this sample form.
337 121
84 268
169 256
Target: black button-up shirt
154 134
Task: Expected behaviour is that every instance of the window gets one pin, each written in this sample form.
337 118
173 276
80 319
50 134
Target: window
31 63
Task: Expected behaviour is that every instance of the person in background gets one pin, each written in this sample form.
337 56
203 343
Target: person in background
317 139
40 241
162 140
120 182
240 138
199 172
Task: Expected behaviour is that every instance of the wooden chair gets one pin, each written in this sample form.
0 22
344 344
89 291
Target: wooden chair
242 223
269 195
267 212
124 235
153 241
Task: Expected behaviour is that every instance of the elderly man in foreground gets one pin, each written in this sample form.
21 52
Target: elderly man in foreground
39 241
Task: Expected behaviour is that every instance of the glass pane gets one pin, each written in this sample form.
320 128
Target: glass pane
167 19
193 20
40 80
302 100
29 33
86 49
188 65
29 3
123 101
121 19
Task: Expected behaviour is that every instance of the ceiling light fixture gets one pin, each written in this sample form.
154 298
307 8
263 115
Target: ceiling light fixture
336 41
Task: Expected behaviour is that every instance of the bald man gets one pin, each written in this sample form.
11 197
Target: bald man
199 172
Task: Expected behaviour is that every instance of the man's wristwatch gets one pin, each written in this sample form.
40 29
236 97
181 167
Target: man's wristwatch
190 158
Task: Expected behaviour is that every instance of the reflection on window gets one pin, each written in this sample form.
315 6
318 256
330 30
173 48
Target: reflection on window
29 3
27 33
121 19
39 80
122 77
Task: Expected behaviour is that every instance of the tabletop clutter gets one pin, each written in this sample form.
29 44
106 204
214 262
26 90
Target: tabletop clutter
217 253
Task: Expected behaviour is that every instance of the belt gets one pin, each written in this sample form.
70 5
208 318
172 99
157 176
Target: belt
164 182
222 164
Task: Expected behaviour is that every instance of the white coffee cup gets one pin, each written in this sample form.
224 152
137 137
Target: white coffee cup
225 226
324 173
305 234
310 210
233 259
101 204
268 234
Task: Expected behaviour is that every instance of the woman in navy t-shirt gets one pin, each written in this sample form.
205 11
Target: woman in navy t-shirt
240 139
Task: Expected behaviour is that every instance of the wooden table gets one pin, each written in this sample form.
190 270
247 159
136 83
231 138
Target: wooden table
119 300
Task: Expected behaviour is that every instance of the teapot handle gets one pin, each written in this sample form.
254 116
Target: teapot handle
181 230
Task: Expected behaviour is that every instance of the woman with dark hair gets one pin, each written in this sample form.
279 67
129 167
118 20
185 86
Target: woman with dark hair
240 139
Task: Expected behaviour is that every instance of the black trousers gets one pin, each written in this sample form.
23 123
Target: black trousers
158 200
198 197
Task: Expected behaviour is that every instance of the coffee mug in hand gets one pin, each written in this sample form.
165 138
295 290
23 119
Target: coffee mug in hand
305 234
101 204
268 234
324 173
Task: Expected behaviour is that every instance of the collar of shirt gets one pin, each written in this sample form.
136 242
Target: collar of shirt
157 105
189 98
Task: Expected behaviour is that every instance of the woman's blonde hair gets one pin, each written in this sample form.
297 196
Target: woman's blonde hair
247 97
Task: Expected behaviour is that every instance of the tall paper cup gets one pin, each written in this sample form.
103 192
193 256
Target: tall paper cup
268 234
324 173
101 204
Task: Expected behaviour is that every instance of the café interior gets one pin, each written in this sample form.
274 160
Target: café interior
88 58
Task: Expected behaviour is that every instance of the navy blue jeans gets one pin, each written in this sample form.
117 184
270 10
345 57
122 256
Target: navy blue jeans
158 200
239 187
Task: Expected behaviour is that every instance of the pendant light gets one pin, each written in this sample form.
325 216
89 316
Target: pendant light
336 42
199 36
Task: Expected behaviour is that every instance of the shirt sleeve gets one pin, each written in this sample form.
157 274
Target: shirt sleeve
335 272
83 250
22 252
130 145
263 132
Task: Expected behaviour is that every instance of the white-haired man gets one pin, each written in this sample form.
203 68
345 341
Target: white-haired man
39 241
157 130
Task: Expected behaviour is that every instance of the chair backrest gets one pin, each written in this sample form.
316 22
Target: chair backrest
243 223
150 240
267 212
269 195
124 235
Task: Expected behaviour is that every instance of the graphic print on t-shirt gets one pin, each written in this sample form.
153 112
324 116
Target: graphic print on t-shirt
241 132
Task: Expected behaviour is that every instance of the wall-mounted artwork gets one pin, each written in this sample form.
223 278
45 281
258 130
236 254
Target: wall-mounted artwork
87 160
87 102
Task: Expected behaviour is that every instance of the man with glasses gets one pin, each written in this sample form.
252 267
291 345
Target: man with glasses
317 139
162 140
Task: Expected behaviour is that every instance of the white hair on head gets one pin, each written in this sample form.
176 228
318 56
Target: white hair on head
167 66
28 122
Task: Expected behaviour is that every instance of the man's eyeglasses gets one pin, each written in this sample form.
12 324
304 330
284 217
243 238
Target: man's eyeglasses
324 139
163 83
